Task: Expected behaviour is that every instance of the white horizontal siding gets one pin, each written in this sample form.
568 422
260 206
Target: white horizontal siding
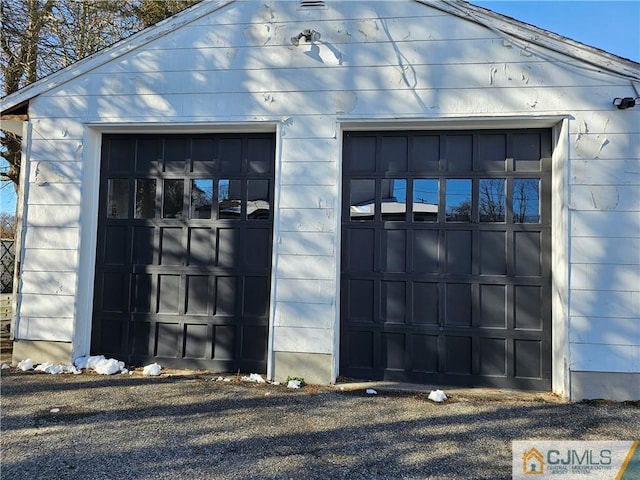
47 306
606 331
53 215
611 250
595 277
304 291
604 224
605 304
59 238
304 339
605 358
306 266
48 283
50 260
605 197
306 243
605 172
59 329
304 315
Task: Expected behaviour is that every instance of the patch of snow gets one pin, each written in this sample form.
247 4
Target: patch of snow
437 396
254 377
54 369
108 366
293 384
5 366
26 364
153 370
54 410
371 391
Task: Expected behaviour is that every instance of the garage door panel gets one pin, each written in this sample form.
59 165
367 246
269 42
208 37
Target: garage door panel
458 304
360 303
493 306
425 358
458 248
168 340
168 294
393 250
527 305
528 261
459 152
426 251
116 245
142 292
493 253
226 296
528 358
492 152
458 355
115 291
171 250
201 247
394 351
184 251
198 295
493 356
426 303
447 282
425 153
196 341
393 302
145 246
360 249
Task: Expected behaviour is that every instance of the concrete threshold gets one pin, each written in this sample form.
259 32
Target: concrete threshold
452 392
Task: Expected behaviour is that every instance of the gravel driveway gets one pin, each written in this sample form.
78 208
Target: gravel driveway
194 427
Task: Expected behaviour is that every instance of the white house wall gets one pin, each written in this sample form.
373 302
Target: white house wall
375 60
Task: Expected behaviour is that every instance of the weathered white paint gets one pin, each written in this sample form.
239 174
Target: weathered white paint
378 65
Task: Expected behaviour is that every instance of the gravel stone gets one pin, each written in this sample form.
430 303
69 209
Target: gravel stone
192 427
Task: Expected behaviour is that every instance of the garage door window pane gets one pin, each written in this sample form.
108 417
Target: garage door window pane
229 198
458 200
145 198
258 205
173 201
201 198
526 200
491 203
118 203
394 199
425 200
362 199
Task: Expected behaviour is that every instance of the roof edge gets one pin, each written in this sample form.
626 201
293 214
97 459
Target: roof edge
514 28
107 54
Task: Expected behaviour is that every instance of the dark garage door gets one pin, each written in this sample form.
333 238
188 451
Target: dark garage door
445 268
184 250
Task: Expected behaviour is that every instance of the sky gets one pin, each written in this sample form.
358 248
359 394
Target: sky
613 26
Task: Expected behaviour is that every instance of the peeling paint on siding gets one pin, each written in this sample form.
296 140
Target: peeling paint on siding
604 197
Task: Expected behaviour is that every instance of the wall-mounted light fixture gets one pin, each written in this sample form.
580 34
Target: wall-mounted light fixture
626 102
309 36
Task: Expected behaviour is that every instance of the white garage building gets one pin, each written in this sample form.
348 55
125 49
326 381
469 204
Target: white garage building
423 191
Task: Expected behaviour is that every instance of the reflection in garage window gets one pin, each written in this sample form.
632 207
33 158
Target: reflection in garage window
394 199
201 198
145 198
258 199
526 200
458 200
491 201
362 199
118 202
425 200
229 198
173 199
